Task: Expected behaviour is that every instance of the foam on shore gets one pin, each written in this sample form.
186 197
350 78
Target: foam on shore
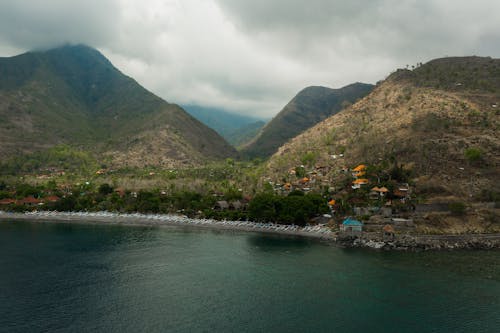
138 219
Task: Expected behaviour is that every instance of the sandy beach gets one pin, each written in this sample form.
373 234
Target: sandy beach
165 220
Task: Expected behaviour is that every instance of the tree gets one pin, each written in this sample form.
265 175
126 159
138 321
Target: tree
105 189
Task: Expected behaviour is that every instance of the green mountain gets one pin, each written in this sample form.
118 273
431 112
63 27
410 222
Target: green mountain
74 95
309 107
236 129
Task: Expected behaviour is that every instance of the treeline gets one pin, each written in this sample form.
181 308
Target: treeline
296 208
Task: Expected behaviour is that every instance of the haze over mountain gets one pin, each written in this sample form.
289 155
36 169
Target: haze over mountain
306 109
439 122
74 95
235 128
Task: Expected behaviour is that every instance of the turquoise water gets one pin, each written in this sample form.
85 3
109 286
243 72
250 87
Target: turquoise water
77 278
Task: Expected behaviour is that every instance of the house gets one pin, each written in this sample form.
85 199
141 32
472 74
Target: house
304 180
359 171
351 226
388 232
51 199
378 192
7 201
359 182
359 168
120 191
30 201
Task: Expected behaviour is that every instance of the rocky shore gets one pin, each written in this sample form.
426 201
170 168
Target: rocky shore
410 242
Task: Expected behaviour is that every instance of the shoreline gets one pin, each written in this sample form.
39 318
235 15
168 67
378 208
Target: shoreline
403 242
168 220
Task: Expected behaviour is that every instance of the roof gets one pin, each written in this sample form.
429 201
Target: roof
388 228
331 202
349 221
304 180
360 167
361 181
380 189
7 201
30 200
52 198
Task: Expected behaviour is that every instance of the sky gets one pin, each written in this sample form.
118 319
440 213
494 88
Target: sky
252 57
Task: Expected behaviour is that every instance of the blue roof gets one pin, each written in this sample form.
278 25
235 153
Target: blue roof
349 221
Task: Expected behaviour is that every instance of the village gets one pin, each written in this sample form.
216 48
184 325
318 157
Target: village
359 203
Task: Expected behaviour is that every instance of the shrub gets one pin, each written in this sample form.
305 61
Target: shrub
473 154
457 208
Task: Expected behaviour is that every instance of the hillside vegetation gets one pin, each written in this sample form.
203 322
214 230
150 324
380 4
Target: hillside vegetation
74 95
309 107
438 124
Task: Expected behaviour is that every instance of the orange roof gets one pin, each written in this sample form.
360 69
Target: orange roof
360 167
361 181
331 202
376 189
304 180
388 228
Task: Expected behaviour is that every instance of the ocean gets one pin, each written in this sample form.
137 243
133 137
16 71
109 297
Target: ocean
83 278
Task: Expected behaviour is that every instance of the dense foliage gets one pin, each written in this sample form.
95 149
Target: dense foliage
292 209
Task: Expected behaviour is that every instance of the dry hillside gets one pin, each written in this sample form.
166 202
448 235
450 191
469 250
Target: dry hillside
440 122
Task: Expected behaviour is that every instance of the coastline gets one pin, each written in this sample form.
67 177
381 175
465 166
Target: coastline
403 242
166 220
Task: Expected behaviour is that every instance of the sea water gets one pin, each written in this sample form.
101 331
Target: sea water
83 278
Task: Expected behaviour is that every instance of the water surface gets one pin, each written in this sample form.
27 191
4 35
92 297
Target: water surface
80 278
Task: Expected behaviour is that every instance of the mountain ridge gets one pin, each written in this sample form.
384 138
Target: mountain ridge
74 95
310 106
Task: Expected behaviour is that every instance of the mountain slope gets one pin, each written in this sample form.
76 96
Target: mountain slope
236 129
241 136
439 122
74 95
307 108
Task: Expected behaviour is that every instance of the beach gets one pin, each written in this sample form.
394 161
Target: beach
165 220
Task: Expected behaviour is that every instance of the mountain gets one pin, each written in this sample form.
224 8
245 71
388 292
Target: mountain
236 129
438 124
74 95
306 109
239 137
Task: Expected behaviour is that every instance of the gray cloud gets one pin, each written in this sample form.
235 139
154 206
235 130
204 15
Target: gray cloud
253 56
34 24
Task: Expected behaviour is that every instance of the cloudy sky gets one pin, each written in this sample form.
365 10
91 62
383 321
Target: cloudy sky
253 56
